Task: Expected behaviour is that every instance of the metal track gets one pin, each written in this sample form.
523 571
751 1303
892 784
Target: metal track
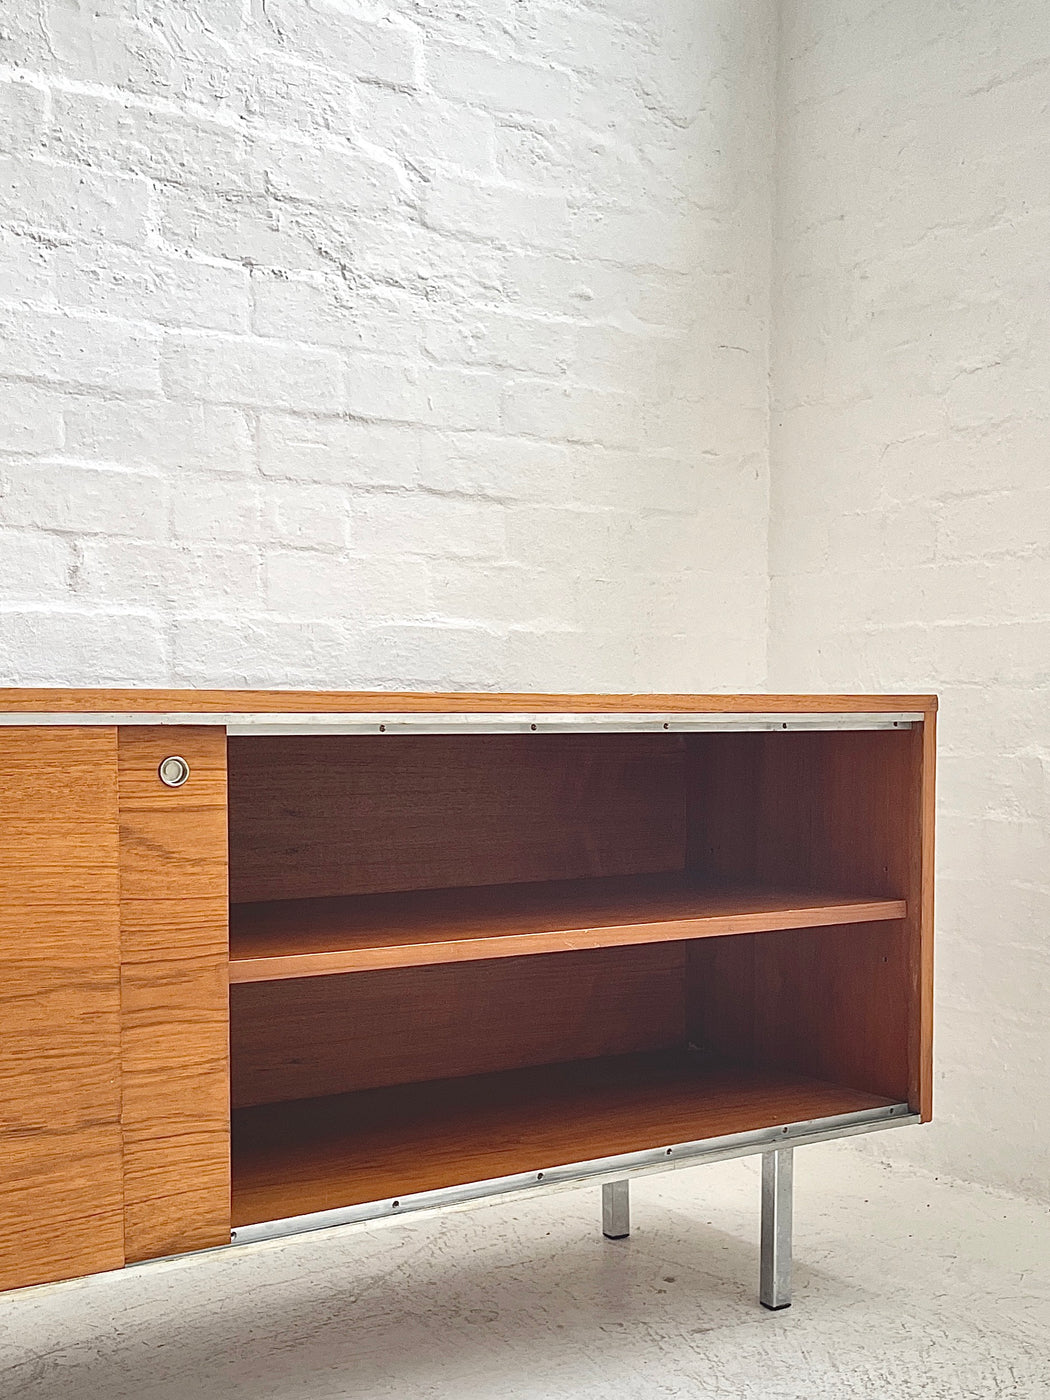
242 724
657 1159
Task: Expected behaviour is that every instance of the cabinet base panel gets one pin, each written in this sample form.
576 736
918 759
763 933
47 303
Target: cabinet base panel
380 1145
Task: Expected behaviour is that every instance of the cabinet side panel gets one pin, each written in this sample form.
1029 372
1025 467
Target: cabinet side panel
61 1206
174 993
920 921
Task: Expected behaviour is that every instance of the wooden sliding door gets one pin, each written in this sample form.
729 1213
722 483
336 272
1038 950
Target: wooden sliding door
175 995
61 1189
114 1080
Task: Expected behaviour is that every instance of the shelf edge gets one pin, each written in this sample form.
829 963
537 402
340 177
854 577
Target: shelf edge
327 964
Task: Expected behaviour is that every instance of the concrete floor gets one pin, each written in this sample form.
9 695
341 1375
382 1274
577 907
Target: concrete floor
905 1286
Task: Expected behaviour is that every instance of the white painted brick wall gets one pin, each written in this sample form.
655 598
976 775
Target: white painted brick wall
910 536
346 342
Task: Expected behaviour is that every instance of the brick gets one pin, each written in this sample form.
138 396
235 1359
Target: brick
428 525
989 526
109 44
21 116
591 164
502 341
92 350
433 263
499 84
280 90
557 537
227 18
170 291
155 573
497 466
62 495
27 268
665 238
601 105
308 585
206 509
589 41
244 370
34 565
253 232
337 587
637 360
422 393
503 213
567 658
31 420
192 435
86 646
515 594
641 481
23 36
172 148
328 312
338 450
253 650
425 131
669 423
73 202
566 285
435 655
570 412
329 32
332 174
305 517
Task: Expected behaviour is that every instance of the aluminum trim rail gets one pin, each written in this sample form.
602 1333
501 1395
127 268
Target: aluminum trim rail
241 724
657 1159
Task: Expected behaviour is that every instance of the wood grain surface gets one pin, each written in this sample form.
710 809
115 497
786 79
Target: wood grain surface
312 816
27 700
852 810
173 907
61 1207
327 1035
290 1159
826 1002
920 924
319 937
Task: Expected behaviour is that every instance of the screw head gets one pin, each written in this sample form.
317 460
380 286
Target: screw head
173 771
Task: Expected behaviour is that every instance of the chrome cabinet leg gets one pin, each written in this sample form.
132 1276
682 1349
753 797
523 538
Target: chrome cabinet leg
775 1278
616 1209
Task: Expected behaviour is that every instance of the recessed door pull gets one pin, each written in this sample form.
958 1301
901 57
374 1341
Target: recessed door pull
173 771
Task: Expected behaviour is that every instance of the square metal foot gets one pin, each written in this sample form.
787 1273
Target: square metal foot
616 1209
774 1290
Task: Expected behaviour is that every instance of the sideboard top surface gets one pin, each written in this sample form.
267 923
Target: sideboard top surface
17 700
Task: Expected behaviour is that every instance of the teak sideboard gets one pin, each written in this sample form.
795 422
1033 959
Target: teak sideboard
278 960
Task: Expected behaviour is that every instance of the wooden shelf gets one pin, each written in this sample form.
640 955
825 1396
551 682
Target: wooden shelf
318 937
318 1154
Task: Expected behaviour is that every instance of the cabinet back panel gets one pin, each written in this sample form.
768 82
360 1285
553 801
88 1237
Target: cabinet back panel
314 816
331 1035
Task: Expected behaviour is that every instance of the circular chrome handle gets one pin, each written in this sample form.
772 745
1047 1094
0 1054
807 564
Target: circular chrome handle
173 771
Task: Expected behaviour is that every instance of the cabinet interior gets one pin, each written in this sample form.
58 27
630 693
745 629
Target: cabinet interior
455 957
